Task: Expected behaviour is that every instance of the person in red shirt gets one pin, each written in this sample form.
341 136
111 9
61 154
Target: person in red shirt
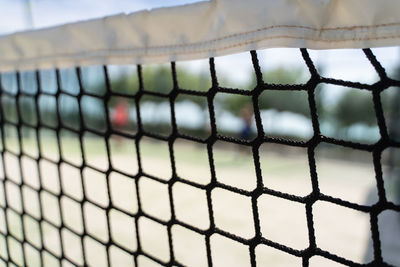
120 116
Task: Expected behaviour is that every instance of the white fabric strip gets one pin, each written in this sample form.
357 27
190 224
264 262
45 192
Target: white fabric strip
205 29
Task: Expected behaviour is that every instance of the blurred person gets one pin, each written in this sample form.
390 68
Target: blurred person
120 115
120 118
247 117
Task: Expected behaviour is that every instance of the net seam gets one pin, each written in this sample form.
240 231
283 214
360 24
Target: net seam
100 52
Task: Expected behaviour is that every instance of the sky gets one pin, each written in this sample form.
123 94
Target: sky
49 12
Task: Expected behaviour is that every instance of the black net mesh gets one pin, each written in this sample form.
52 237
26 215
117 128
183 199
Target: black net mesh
60 204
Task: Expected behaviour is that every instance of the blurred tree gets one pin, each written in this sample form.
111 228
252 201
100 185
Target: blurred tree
284 76
355 107
279 100
393 122
197 82
159 79
125 84
393 101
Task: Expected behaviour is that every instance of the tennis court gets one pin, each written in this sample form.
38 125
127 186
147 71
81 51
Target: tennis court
339 229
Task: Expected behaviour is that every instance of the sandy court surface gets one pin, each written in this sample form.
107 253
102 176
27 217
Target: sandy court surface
339 230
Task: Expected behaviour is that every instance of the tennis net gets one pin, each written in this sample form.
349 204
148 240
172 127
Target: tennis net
88 179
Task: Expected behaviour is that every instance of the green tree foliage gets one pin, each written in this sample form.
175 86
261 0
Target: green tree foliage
295 102
355 107
279 100
125 84
394 111
284 76
159 79
196 82
190 81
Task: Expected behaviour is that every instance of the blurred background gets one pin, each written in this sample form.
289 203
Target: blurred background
344 113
